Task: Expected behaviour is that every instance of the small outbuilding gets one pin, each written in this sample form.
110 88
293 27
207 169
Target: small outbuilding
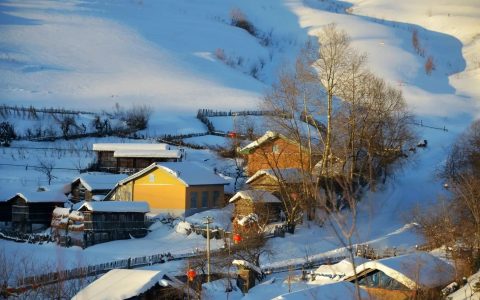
32 210
120 284
262 203
105 221
405 276
93 186
272 179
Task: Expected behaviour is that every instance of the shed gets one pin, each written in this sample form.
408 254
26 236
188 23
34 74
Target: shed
272 179
105 221
119 284
34 208
93 186
260 202
400 277
339 290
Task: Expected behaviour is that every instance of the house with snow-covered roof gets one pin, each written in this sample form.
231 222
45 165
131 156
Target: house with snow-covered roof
276 151
93 186
262 203
180 188
33 210
404 276
98 222
132 157
119 284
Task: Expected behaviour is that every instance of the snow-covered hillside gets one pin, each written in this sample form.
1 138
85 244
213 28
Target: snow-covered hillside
182 55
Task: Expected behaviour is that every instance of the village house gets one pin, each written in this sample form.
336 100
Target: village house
92 186
131 158
180 188
404 277
33 210
119 284
98 222
273 179
259 202
276 151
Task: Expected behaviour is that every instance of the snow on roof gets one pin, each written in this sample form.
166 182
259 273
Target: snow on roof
246 264
339 290
129 146
255 196
116 206
42 197
121 284
61 211
148 153
190 173
341 269
99 181
289 175
468 291
268 136
414 269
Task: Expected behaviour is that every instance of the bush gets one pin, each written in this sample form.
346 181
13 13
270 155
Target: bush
239 20
429 65
138 116
7 134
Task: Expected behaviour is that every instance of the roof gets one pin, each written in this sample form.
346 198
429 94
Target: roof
341 269
246 264
120 284
41 197
289 175
116 206
190 173
148 153
99 181
255 196
419 269
339 290
129 146
267 137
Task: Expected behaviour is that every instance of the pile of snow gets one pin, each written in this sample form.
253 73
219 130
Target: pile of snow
221 217
221 289
183 227
248 219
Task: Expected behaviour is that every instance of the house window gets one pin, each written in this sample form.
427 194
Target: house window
216 196
204 199
276 149
193 200
151 178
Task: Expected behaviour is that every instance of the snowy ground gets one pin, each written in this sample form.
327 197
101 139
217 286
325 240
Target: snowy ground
167 54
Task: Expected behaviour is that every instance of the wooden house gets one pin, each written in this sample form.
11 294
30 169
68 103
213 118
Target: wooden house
105 221
180 188
32 209
273 179
276 151
131 158
404 277
93 186
259 202
131 284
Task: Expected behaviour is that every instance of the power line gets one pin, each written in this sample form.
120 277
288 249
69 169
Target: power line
38 167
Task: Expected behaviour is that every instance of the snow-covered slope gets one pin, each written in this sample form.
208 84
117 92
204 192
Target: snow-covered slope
181 55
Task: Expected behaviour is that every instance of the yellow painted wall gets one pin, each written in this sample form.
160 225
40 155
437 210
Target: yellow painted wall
160 189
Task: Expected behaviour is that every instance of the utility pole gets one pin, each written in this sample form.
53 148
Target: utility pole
208 222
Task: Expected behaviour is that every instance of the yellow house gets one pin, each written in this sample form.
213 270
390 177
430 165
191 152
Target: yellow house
181 188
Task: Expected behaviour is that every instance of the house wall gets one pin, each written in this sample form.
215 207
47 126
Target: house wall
79 192
199 190
384 294
5 212
122 192
286 155
162 191
24 214
266 183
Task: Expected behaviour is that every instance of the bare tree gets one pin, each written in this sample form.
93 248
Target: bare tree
46 167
